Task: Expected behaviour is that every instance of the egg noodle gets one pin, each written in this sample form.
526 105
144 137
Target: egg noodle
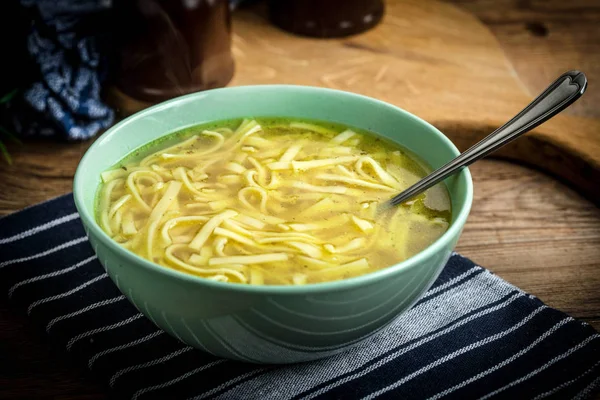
285 203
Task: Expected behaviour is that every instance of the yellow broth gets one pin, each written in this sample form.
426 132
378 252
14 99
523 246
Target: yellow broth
270 201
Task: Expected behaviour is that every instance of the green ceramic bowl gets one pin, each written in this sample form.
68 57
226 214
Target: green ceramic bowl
270 324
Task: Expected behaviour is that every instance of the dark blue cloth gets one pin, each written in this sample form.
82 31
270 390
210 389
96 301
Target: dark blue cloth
68 44
472 335
70 48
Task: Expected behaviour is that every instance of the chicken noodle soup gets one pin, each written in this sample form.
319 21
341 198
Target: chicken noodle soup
270 201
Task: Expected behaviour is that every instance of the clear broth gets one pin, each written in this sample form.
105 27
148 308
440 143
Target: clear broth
289 202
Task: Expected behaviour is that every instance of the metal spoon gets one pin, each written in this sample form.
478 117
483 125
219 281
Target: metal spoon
558 96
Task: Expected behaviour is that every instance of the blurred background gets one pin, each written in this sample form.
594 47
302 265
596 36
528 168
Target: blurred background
70 65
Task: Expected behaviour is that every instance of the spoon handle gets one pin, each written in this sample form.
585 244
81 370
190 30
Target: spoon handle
558 96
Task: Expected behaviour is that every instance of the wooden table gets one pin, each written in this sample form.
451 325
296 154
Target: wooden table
525 226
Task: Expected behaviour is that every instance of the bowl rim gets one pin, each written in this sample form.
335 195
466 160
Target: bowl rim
312 288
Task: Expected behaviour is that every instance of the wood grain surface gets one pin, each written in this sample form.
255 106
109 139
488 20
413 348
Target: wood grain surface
543 38
438 61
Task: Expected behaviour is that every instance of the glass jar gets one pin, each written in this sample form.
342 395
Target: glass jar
173 47
326 18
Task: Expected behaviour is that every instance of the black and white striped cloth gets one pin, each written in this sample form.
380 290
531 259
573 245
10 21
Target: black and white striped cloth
472 335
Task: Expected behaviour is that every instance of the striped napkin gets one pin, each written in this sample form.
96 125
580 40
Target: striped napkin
472 335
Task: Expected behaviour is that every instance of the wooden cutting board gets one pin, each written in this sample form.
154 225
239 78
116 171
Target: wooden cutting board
431 59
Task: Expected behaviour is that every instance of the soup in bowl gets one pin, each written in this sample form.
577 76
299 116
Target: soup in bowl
244 221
